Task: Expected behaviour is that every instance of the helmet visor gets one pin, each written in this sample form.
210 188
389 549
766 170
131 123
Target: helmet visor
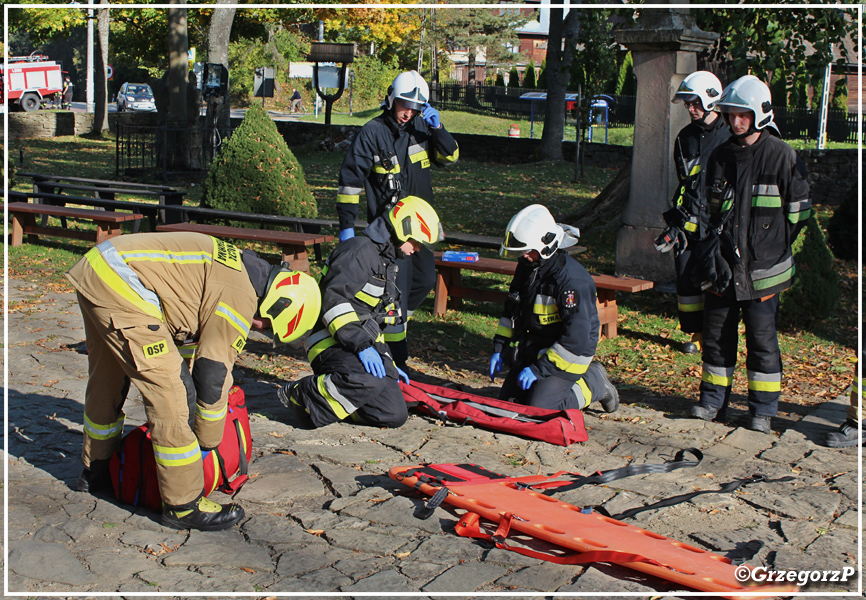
512 247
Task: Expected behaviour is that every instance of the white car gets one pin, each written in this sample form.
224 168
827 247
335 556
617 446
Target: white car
135 97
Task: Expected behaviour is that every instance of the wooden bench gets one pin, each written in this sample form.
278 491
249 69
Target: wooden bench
24 221
51 187
293 245
449 290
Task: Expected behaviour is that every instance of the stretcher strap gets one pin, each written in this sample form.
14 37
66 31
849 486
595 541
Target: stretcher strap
468 526
678 462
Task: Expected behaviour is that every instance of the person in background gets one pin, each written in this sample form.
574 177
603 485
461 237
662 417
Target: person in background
148 297
758 200
390 159
687 220
354 375
66 102
548 333
296 100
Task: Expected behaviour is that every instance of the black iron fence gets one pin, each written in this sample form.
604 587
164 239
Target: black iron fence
793 123
165 152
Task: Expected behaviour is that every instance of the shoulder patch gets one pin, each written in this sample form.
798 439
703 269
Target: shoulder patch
569 299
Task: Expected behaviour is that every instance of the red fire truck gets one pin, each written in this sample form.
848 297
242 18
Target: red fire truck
30 80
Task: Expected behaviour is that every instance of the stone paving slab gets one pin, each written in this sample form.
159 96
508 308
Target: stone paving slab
324 518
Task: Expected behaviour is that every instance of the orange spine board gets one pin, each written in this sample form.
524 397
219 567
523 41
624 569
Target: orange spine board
565 525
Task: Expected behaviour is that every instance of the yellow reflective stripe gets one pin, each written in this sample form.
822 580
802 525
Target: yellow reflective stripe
565 365
233 317
103 432
691 227
545 309
348 198
212 456
177 457
394 337
690 303
367 298
337 408
716 379
764 382
587 395
767 201
113 280
383 171
320 347
187 352
342 320
211 415
504 331
796 217
422 155
450 158
183 258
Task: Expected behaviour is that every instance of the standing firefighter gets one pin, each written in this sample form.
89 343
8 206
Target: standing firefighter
687 220
549 330
354 374
390 159
758 203
170 312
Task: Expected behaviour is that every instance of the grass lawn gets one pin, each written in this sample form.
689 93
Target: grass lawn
477 197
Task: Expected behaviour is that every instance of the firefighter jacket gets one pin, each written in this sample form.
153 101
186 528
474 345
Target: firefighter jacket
390 162
692 150
195 285
552 307
759 201
359 293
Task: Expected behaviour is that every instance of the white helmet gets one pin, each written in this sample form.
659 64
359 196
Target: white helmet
533 228
700 84
411 88
749 93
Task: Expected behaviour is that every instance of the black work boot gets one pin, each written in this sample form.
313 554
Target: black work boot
95 478
759 423
610 400
847 436
289 398
703 412
203 514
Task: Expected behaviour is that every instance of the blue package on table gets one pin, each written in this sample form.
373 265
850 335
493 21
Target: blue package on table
453 256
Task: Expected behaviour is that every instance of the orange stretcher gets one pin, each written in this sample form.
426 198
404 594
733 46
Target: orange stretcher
580 535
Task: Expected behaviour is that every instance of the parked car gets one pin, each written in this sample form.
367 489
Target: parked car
135 96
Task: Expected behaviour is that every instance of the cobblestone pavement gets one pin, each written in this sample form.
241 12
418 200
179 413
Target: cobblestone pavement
323 517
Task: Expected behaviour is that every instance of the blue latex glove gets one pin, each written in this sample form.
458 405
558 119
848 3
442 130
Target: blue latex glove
372 361
401 375
495 364
347 234
526 378
431 116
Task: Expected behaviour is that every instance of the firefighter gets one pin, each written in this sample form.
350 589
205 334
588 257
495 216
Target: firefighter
687 220
549 329
66 101
758 203
390 159
148 298
354 373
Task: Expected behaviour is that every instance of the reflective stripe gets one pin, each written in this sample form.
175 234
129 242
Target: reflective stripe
187 351
857 387
767 201
103 432
373 289
107 264
349 190
764 382
690 303
322 345
775 275
691 227
567 361
449 158
315 338
799 211
339 404
721 376
348 199
177 457
505 328
165 256
367 298
582 393
232 316
211 415
544 305
394 333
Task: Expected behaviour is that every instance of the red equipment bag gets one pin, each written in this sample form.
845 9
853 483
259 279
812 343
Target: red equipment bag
560 427
133 467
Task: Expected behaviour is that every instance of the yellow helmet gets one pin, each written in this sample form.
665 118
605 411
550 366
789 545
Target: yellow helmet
413 218
292 302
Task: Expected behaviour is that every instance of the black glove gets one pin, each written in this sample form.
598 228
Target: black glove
672 238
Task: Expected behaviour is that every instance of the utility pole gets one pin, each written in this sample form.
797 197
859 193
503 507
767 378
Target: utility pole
90 65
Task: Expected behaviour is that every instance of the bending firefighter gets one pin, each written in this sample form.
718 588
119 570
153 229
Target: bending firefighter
549 330
170 312
354 373
687 220
390 159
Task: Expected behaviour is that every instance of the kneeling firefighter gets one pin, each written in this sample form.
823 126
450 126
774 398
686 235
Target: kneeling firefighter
548 333
354 371
170 312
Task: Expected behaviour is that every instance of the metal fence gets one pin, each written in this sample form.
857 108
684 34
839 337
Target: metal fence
165 152
793 123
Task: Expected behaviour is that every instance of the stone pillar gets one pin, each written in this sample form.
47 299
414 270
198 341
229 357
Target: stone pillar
664 45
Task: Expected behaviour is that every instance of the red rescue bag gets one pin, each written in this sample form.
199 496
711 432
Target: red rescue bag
560 427
133 467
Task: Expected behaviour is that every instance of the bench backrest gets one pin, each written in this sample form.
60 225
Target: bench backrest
62 211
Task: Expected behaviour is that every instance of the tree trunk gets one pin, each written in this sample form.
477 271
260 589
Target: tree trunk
558 75
470 87
100 81
218 52
178 67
